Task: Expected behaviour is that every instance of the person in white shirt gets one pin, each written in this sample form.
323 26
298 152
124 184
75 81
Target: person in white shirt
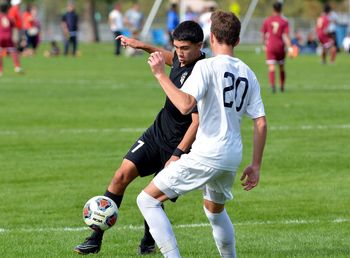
346 43
133 18
223 88
115 20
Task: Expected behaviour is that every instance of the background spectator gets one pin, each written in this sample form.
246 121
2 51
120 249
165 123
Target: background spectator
115 20
172 22
70 29
133 18
15 16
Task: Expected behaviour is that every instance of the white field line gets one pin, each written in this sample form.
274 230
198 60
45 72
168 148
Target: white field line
140 129
200 225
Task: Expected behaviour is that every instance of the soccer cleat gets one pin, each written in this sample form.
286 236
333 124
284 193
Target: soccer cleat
146 249
89 246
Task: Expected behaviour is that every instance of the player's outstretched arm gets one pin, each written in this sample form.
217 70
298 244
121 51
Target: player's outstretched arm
134 43
251 174
183 102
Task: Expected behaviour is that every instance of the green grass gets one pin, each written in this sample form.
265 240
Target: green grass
67 122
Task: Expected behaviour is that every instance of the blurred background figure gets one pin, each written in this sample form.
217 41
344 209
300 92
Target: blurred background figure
275 34
31 26
172 22
54 50
346 43
333 22
235 8
70 29
191 15
311 44
205 22
115 20
297 43
15 16
6 42
326 39
133 19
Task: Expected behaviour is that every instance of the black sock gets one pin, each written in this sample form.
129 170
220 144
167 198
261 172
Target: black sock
97 234
147 237
116 198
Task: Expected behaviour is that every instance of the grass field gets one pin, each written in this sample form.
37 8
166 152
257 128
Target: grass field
67 122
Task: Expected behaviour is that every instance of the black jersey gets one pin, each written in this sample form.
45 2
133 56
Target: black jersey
170 125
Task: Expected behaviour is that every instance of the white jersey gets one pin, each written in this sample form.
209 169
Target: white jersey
225 88
116 20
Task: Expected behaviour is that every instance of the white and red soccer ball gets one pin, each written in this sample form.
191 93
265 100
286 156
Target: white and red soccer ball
100 213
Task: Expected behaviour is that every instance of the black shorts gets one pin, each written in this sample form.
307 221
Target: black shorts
147 156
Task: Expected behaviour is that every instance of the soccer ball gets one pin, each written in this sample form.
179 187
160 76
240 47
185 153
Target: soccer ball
100 213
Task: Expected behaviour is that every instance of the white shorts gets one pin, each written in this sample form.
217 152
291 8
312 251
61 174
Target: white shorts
187 174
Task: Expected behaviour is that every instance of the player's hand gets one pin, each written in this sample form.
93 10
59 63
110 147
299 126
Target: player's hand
127 42
291 52
157 63
250 177
172 158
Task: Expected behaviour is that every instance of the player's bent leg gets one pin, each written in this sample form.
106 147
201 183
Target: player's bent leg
160 226
223 231
126 173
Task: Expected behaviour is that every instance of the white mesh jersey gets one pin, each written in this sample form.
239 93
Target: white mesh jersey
225 88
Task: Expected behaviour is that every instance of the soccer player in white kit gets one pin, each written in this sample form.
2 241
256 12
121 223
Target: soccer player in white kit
224 88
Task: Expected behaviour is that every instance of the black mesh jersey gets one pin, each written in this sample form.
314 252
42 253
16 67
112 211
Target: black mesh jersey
170 125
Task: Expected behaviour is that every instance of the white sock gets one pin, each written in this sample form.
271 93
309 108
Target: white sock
159 224
223 233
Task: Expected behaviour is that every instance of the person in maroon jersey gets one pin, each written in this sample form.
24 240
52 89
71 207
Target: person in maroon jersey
275 33
324 36
6 43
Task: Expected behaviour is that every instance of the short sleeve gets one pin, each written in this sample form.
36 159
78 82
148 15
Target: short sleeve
197 83
255 106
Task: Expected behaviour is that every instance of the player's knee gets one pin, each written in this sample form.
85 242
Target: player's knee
144 200
123 177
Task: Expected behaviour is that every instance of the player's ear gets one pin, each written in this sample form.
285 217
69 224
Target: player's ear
211 38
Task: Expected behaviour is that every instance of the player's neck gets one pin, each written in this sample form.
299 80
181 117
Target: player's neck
222 50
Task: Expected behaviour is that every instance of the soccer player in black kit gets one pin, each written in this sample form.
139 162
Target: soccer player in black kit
171 134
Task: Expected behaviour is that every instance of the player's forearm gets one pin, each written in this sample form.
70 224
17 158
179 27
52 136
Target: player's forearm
182 101
168 55
260 131
190 134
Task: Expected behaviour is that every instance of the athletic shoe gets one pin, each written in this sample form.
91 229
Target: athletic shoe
146 249
89 246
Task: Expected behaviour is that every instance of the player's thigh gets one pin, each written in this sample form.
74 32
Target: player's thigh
219 188
147 156
184 175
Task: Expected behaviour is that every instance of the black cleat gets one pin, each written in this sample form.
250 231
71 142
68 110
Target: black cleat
146 249
89 246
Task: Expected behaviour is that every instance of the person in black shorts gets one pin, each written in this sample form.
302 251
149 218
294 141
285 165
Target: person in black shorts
171 134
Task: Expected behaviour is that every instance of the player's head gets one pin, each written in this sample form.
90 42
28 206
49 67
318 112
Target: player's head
225 27
277 7
188 31
187 40
3 8
327 8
